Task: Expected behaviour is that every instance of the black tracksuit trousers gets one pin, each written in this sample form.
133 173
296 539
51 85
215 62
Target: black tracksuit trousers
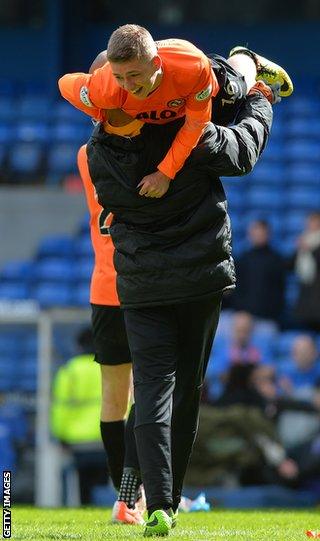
170 347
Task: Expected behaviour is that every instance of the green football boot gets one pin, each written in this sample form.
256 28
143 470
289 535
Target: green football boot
158 524
267 71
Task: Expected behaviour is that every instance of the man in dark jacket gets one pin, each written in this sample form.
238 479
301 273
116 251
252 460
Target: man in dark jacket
260 278
173 259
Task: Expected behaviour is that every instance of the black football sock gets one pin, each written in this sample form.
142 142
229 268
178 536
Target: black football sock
112 434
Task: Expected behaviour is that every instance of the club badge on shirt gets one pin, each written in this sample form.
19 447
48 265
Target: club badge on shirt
177 102
204 94
84 96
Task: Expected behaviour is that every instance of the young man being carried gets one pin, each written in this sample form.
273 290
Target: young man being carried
158 82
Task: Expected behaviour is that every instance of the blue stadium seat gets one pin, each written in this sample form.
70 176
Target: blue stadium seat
302 127
268 173
12 413
302 106
34 107
63 111
303 150
9 87
54 270
62 158
84 226
68 132
235 189
277 126
56 246
237 223
27 384
8 109
287 244
81 295
83 270
303 197
7 454
261 198
29 131
17 270
8 343
83 246
14 291
6 133
273 151
304 173
53 294
25 158
294 222
30 345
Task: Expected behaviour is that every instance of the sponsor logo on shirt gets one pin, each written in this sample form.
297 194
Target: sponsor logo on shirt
204 94
156 115
176 103
84 96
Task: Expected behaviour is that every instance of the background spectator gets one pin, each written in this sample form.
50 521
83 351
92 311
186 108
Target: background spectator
299 376
307 269
238 441
260 278
241 347
298 379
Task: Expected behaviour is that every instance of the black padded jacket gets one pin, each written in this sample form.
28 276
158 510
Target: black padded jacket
176 248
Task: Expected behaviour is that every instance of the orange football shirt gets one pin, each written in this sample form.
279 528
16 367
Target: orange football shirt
186 88
103 281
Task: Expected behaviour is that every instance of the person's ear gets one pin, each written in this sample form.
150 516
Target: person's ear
157 62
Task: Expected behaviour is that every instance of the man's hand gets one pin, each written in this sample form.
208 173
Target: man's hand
271 92
154 185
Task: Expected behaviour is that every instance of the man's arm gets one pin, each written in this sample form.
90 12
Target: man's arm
234 151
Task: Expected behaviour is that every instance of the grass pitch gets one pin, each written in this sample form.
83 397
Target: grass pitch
29 523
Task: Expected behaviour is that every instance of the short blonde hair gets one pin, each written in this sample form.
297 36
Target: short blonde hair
129 42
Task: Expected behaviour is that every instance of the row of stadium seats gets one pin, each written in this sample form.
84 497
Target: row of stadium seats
40 106
299 135
30 159
18 369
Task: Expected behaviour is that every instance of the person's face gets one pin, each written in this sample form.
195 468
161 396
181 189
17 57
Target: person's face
242 328
258 234
304 352
137 77
313 223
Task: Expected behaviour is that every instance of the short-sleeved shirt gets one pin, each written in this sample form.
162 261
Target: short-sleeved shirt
186 88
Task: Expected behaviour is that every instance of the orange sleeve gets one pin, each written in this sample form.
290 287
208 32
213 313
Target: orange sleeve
91 93
198 114
74 88
185 140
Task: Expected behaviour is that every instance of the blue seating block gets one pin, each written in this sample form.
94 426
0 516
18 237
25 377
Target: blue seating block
54 270
25 158
17 271
50 294
14 291
62 158
56 246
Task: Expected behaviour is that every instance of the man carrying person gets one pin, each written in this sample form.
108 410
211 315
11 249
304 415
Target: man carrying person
174 289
